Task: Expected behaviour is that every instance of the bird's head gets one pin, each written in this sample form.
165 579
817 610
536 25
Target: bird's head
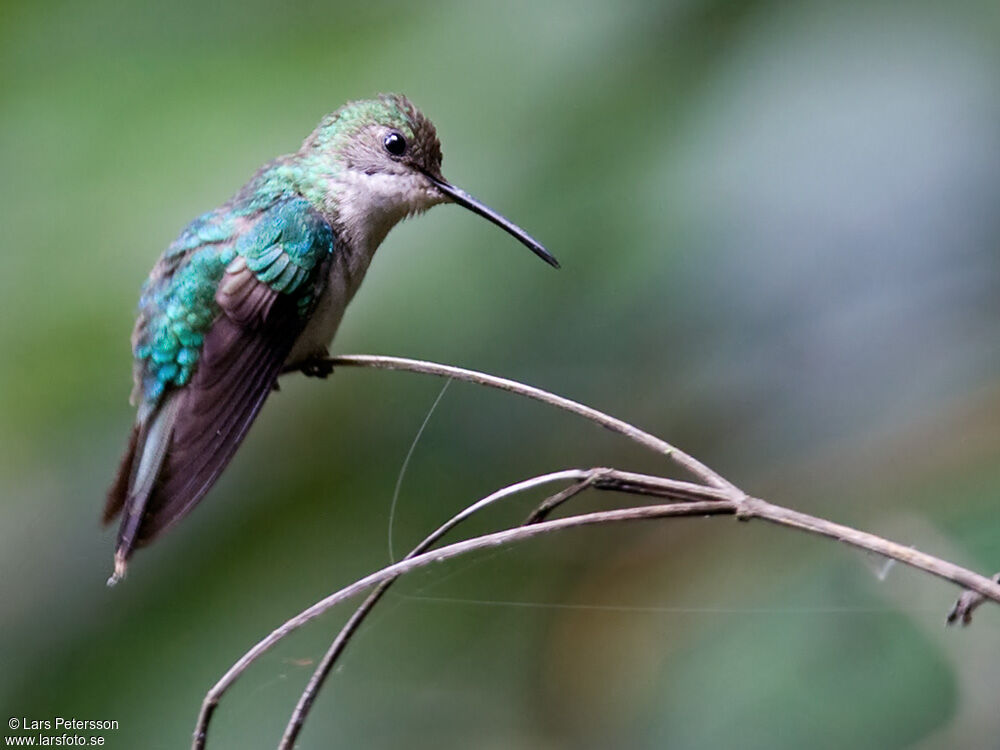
386 160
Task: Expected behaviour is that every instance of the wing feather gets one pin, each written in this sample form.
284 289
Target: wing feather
262 301
225 395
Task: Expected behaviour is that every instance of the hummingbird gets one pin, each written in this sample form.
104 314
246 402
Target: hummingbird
257 287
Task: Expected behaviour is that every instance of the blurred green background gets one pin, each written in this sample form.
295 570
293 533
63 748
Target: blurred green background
778 227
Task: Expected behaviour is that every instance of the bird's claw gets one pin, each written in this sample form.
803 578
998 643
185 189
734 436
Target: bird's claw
320 367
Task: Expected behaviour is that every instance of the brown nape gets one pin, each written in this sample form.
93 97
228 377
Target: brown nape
425 150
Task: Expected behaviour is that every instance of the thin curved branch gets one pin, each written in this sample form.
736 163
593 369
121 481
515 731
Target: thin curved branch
548 506
323 669
720 497
544 509
744 510
496 539
658 445
325 666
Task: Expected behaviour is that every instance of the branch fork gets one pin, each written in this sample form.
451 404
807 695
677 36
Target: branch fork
712 495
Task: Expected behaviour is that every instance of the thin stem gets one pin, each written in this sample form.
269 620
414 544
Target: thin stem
549 504
780 516
325 666
650 441
720 497
496 539
745 509
406 464
658 445
546 507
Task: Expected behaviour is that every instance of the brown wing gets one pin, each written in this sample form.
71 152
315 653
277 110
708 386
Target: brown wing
241 358
191 422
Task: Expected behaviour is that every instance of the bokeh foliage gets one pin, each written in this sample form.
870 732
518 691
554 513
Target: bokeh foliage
777 223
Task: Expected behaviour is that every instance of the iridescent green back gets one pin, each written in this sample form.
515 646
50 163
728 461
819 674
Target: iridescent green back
281 237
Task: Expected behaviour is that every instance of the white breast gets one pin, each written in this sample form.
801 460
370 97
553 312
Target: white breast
362 209
347 269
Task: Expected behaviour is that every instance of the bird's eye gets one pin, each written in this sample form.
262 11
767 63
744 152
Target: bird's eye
395 144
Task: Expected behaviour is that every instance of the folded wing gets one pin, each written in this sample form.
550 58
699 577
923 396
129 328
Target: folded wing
190 427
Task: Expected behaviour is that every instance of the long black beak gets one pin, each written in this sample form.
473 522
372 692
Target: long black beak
462 198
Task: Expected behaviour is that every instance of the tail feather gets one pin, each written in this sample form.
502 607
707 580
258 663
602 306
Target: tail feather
137 476
119 488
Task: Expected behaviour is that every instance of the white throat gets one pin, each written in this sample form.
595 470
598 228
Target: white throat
364 207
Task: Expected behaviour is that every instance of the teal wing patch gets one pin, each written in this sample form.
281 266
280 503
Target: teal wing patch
177 306
282 245
286 244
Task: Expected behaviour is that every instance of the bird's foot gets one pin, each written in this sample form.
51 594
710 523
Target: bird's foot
318 366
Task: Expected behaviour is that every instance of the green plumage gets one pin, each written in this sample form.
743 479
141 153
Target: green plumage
258 286
274 222
282 239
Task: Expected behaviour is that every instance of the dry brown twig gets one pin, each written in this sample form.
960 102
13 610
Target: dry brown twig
715 496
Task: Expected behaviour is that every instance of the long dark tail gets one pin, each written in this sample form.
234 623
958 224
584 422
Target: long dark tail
136 477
